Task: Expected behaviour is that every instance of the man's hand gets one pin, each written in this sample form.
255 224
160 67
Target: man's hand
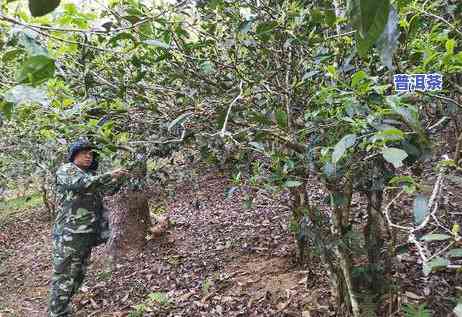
119 173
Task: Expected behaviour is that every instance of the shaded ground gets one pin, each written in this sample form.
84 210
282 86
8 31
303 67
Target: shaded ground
220 259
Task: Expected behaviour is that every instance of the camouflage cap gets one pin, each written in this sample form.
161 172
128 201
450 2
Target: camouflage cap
81 144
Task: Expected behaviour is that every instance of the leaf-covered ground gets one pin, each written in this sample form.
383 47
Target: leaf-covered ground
219 259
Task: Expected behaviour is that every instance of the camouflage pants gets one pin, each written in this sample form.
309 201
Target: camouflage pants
71 254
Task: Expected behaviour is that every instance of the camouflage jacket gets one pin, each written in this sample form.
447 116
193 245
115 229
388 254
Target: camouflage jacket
80 199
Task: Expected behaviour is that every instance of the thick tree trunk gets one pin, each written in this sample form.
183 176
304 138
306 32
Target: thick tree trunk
328 249
345 289
374 230
130 221
373 233
299 205
325 236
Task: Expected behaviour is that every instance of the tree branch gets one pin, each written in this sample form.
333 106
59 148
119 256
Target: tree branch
455 29
223 130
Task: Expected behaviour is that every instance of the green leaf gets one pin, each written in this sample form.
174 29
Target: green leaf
346 142
292 184
399 180
207 67
458 310
357 78
281 118
411 310
265 29
450 44
331 70
41 7
11 54
159 298
157 43
257 146
369 18
435 237
123 36
32 46
48 134
388 40
408 113
316 15
25 94
7 109
420 208
435 264
406 182
394 156
245 26
455 253
329 17
388 135
180 120
181 32
403 3
36 69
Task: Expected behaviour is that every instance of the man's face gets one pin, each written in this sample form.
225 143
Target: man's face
83 159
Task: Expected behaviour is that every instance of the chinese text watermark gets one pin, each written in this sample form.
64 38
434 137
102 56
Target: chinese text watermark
419 82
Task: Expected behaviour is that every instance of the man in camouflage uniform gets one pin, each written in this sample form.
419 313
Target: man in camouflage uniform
80 224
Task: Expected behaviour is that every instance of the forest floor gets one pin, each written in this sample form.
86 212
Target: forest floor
220 259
